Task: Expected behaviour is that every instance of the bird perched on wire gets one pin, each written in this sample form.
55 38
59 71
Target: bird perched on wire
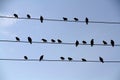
15 15
101 59
76 19
65 19
112 43
17 39
52 40
86 20
92 42
62 58
84 42
41 19
59 41
28 16
30 40
44 40
41 57
83 59
70 59
104 42
25 57
76 43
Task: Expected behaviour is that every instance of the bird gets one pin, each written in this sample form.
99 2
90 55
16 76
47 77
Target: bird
15 15
41 57
70 59
59 41
52 40
84 42
65 19
41 19
112 43
101 59
30 40
76 43
17 39
62 58
28 16
44 40
104 42
84 59
92 42
76 19
25 57
86 20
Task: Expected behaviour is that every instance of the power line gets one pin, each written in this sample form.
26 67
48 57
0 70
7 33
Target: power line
60 20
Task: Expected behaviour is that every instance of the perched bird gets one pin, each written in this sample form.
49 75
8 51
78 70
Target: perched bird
28 16
65 19
41 57
25 57
44 40
15 15
112 43
76 43
84 59
76 19
104 42
70 59
59 41
84 42
62 58
101 59
92 42
86 20
30 40
41 19
17 39
52 40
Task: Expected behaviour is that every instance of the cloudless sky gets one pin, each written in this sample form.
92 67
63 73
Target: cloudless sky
96 10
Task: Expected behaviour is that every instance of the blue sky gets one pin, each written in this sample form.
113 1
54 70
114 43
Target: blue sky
98 10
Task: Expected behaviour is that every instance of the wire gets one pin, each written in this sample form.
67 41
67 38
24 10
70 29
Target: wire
100 22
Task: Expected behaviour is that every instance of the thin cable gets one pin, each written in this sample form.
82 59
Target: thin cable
103 22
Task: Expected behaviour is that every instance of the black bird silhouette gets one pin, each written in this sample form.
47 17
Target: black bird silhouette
52 40
41 57
70 59
44 40
86 20
15 15
112 43
84 42
62 58
101 59
84 59
30 40
25 57
59 41
76 43
28 16
41 19
65 19
17 39
76 19
92 42
104 42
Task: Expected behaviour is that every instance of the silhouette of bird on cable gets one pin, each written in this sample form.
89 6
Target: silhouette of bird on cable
28 16
15 15
84 42
92 42
101 59
65 19
62 58
76 19
59 41
25 57
44 40
104 42
41 19
41 57
112 43
30 40
86 20
17 39
52 40
76 43
83 59
70 59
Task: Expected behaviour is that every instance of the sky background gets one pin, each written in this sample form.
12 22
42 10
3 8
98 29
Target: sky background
97 10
